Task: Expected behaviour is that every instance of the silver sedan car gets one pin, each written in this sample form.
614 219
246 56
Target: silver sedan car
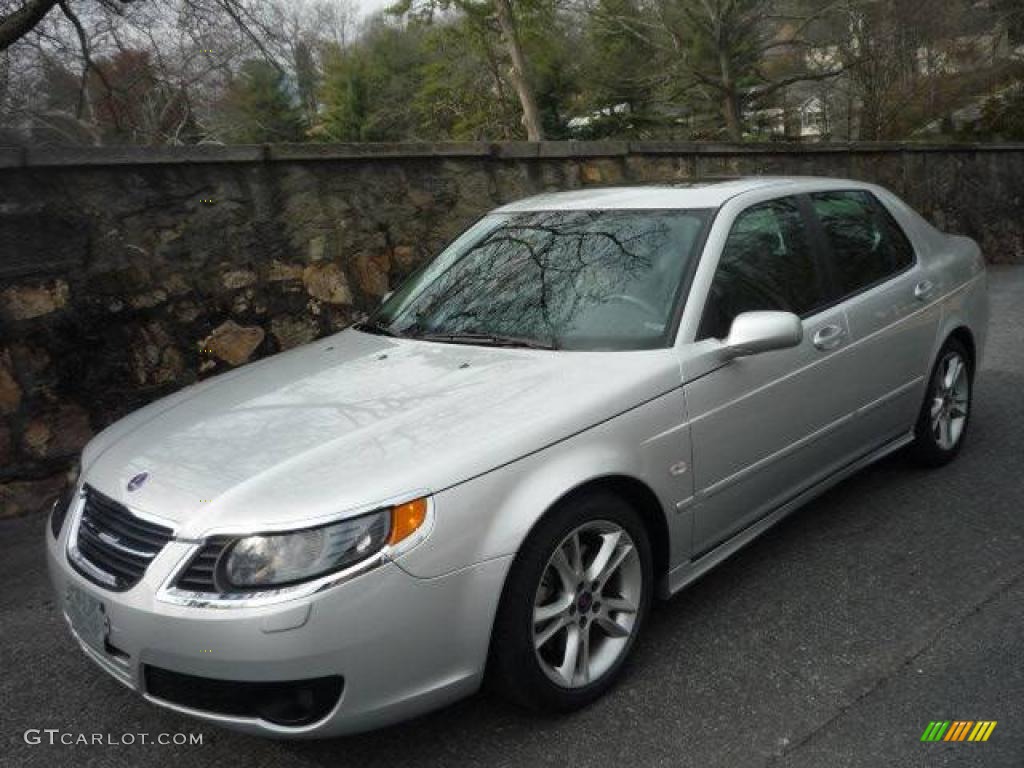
585 402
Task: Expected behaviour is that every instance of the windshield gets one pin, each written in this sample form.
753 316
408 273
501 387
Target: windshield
591 279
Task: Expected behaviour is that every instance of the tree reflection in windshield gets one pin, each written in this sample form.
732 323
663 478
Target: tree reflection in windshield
583 279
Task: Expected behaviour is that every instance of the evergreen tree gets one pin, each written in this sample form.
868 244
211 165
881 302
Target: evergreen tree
258 107
369 88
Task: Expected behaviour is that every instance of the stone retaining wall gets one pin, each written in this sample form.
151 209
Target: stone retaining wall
126 273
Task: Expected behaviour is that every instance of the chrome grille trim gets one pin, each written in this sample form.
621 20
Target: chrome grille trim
109 544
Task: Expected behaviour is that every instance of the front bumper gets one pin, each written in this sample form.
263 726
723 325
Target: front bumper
403 645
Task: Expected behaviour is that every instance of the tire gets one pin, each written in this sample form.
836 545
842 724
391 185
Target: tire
544 679
932 446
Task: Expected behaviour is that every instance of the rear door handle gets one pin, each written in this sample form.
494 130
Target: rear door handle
828 336
923 290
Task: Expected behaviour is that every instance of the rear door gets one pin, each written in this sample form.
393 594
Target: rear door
889 303
766 426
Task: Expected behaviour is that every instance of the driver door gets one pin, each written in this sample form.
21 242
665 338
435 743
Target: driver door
766 426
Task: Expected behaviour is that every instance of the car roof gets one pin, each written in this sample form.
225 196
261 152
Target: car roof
702 193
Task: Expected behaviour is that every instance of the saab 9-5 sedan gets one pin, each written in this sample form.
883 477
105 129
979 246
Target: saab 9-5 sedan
585 402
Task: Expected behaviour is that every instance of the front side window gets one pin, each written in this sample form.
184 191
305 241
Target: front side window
867 244
589 279
766 264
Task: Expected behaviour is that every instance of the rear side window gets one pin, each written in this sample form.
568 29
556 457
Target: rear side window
867 244
767 263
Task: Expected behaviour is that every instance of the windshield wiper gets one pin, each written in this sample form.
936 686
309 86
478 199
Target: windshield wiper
487 340
378 328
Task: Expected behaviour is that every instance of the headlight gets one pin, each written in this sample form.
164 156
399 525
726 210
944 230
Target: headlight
274 560
63 502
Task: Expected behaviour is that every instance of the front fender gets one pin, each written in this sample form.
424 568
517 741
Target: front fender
490 516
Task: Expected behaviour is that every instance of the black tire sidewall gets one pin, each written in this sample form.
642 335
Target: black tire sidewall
514 661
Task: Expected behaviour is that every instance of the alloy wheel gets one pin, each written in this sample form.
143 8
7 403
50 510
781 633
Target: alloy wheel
586 605
950 401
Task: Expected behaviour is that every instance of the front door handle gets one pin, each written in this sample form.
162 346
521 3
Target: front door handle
828 336
923 290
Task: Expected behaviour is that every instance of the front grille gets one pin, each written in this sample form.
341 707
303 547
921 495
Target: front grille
115 542
290 703
199 575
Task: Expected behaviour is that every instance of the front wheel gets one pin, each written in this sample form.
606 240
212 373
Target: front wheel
573 605
946 410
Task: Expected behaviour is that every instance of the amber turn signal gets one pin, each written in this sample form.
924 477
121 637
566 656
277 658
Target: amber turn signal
406 519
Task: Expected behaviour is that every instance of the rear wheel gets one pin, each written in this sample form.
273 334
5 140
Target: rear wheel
574 602
945 413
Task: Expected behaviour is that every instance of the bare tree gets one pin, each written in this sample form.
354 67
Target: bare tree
518 71
184 53
16 21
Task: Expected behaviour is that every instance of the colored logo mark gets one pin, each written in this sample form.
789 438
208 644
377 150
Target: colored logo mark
958 730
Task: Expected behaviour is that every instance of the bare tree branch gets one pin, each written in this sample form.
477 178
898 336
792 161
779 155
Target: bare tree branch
16 25
83 41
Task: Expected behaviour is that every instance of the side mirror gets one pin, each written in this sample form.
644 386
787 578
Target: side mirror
754 332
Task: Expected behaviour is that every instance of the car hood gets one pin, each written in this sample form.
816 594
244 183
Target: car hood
353 420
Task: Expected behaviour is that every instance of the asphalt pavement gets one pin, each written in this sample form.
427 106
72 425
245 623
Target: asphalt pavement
894 600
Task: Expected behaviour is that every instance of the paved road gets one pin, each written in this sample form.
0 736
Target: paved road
896 599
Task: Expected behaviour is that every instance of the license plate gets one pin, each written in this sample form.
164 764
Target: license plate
88 617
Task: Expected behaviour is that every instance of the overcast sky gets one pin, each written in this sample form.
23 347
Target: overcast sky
367 7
